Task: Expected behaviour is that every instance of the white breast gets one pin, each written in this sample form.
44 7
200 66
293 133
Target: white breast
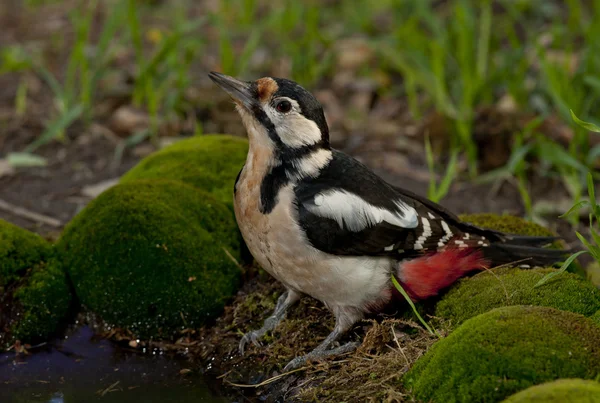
280 247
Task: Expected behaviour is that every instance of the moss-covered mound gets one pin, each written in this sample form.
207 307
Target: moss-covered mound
503 351
153 256
561 391
19 250
209 162
34 295
43 302
506 223
512 286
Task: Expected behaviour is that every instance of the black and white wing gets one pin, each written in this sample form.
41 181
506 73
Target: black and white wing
348 210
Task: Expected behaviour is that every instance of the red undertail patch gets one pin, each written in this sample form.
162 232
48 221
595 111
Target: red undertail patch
425 276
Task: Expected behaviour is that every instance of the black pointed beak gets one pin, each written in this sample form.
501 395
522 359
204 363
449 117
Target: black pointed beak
240 91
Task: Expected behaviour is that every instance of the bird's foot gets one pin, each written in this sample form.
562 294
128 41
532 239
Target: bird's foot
320 354
254 335
286 300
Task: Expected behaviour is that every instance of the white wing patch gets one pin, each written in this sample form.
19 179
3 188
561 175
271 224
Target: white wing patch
354 213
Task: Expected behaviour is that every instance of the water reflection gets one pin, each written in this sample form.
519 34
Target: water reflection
81 369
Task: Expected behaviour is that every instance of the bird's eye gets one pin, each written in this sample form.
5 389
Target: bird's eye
283 106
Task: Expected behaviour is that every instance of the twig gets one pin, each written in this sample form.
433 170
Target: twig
232 258
268 381
501 283
109 389
30 215
399 346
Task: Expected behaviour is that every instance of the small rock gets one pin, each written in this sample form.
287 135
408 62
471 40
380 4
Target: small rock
353 53
6 169
507 104
143 150
127 120
92 191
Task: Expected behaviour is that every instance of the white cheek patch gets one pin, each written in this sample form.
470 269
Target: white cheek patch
293 128
352 212
296 131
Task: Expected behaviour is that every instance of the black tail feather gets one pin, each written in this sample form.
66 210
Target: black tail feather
530 240
507 253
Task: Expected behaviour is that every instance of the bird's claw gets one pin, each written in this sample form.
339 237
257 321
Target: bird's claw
253 337
317 355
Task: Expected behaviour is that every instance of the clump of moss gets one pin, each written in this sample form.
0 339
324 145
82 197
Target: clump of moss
596 317
19 250
44 302
153 256
512 286
506 223
560 391
34 294
503 351
209 162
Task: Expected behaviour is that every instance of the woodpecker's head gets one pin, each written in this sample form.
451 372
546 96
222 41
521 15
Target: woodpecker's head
277 112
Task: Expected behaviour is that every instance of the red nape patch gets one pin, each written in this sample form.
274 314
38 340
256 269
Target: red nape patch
424 277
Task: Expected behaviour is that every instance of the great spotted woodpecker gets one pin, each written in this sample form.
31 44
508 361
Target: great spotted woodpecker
325 225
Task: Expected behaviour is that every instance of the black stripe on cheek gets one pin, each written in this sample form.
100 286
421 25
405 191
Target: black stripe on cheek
264 120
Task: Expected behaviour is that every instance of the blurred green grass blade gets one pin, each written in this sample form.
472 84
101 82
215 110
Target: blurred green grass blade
586 125
250 47
21 97
51 81
25 160
412 305
431 167
56 127
552 152
562 269
594 250
130 141
483 45
578 206
135 31
517 157
591 190
450 174
493 176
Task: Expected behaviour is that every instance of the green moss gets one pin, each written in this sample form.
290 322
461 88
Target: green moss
507 223
560 391
34 295
596 317
19 251
209 162
153 256
503 351
475 295
44 302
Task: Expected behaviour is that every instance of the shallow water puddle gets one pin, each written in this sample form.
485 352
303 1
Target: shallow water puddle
81 369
